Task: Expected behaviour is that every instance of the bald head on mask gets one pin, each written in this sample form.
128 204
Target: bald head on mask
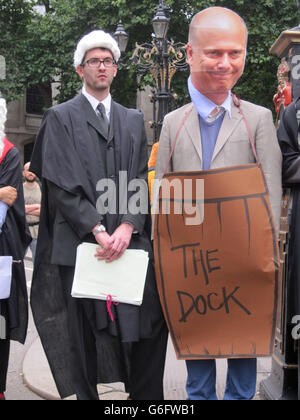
217 51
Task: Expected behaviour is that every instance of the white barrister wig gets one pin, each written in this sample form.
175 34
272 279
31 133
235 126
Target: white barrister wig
3 113
96 39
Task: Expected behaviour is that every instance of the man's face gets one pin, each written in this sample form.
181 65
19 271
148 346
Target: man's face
99 78
29 176
217 58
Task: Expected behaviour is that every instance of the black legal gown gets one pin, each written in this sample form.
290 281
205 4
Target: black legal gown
288 141
14 240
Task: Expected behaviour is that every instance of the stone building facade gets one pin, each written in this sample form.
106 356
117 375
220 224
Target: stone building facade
22 127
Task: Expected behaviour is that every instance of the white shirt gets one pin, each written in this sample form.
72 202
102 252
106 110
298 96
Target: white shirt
204 105
94 102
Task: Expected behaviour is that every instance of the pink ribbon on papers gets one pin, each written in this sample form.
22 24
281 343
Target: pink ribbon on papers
109 302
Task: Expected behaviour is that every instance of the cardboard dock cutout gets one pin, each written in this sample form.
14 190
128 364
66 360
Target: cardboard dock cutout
218 280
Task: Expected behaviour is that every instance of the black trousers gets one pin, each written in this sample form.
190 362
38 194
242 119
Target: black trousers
147 356
4 358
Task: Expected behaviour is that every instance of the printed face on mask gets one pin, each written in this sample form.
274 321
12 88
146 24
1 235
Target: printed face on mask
217 59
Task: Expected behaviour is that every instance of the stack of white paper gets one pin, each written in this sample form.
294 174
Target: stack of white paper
5 276
122 280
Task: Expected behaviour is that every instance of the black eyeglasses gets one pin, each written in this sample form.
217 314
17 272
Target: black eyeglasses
96 62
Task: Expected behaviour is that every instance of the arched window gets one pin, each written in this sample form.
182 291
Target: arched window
35 102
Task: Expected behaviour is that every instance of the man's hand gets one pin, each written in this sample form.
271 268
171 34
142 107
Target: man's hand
119 242
8 195
104 240
33 209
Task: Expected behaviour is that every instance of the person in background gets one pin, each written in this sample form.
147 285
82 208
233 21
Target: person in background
33 197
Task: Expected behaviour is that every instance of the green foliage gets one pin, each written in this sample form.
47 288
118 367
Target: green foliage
15 16
39 48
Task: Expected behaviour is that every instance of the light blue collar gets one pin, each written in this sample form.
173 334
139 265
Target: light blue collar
204 105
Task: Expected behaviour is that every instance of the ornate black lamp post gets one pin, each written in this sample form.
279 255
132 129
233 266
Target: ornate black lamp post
121 37
162 58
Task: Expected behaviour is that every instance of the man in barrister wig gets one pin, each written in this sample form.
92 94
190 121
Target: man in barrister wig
289 137
14 239
85 140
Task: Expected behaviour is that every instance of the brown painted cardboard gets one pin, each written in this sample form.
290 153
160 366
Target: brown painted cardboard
219 280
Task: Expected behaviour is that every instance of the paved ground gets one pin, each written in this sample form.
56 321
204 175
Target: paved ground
29 376
16 390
